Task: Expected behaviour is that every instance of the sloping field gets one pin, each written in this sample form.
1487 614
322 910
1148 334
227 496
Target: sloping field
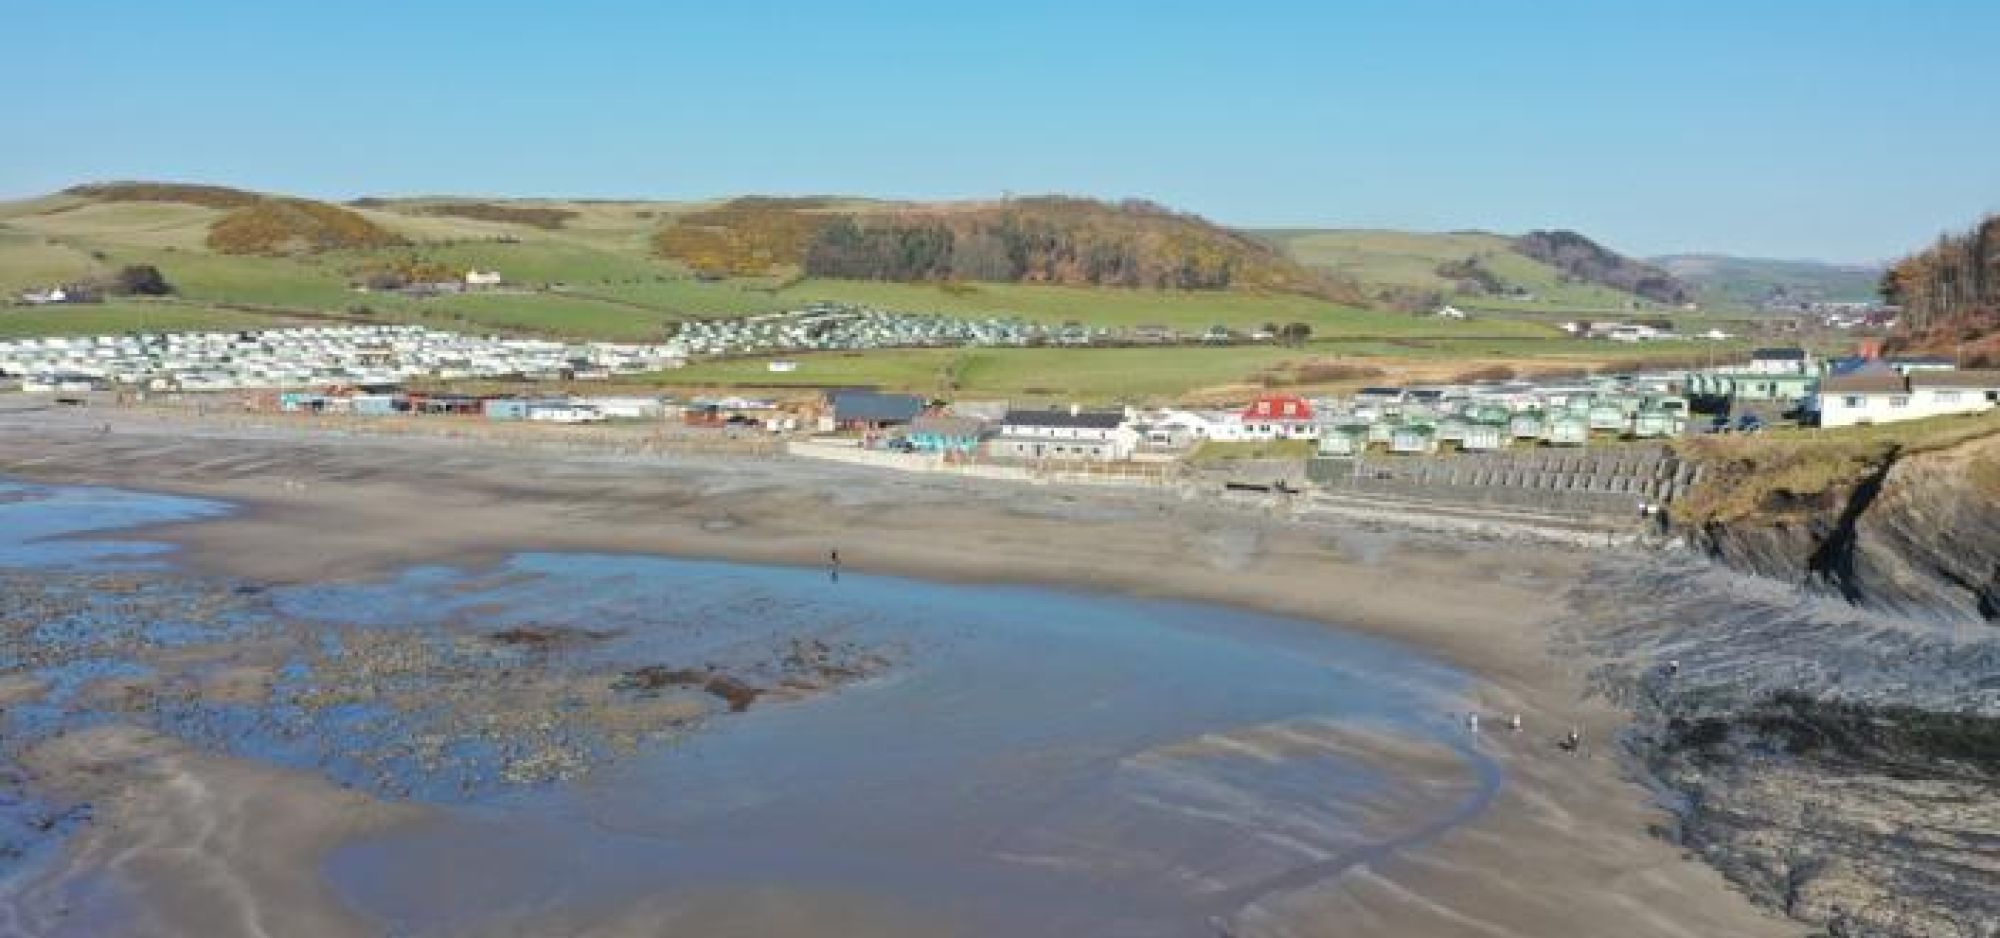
136 224
31 260
1408 261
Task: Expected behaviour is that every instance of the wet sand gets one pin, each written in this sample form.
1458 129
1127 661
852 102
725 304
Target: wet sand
1564 849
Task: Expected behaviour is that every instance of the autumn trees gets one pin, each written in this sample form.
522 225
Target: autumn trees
1956 279
1040 240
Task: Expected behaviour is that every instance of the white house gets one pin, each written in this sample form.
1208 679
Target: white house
1955 391
1278 417
1064 435
1877 393
1450 312
482 278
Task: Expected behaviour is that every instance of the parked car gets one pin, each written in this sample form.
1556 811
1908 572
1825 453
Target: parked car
1716 424
1749 423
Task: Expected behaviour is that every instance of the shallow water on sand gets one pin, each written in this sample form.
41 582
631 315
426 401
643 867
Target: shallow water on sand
1027 761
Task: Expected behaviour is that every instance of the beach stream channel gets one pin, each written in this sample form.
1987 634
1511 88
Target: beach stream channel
721 748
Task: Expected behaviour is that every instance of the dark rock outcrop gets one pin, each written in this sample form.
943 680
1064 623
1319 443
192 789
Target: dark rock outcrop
1917 535
1839 765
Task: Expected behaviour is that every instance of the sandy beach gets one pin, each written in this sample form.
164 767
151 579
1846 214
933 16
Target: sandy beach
1566 848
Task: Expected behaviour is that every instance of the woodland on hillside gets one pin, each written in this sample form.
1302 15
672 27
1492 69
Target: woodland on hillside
1053 240
1955 280
1582 259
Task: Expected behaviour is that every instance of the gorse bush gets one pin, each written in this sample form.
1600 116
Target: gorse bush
283 226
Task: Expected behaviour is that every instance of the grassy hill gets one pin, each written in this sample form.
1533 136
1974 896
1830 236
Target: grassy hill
1046 239
584 268
1719 280
1407 267
592 269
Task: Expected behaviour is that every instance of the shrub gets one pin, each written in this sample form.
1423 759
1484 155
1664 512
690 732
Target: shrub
279 226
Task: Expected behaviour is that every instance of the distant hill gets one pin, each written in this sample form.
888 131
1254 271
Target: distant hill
1421 270
1049 240
594 267
219 197
1586 260
1719 280
254 223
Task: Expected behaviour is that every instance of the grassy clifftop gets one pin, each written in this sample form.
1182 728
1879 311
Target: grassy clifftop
1796 473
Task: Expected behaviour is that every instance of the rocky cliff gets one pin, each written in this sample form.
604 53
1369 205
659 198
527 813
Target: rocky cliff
1820 696
1906 527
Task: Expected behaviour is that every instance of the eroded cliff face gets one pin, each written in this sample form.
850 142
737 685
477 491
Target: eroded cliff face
1914 535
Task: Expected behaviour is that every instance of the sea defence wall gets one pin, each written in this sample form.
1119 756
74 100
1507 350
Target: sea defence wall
1604 481
1063 474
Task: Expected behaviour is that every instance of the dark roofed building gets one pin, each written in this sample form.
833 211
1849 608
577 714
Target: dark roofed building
873 410
1978 379
1865 381
1072 419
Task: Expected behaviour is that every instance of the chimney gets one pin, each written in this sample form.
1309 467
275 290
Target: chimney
1870 348
1075 409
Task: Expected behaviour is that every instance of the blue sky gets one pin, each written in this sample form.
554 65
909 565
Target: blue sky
1836 130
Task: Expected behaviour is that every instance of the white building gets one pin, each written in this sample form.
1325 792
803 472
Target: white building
1877 393
482 278
1073 435
1779 361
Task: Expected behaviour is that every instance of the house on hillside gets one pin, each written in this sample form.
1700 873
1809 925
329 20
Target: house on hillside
45 297
482 278
1072 434
872 410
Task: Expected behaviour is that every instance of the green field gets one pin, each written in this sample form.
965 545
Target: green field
1408 261
114 318
1167 373
594 277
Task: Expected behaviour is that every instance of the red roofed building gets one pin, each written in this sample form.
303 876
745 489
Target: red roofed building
1279 417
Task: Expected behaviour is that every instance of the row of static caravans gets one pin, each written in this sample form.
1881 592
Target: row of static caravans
1558 428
